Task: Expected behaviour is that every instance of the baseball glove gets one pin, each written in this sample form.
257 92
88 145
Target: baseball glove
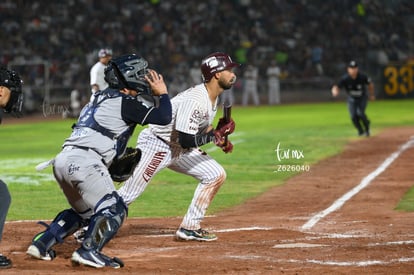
122 168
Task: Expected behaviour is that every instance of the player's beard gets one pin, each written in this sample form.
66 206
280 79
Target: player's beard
227 85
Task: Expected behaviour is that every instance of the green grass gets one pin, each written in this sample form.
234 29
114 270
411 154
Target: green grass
316 130
407 201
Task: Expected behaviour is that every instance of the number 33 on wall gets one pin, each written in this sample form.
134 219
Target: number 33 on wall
398 80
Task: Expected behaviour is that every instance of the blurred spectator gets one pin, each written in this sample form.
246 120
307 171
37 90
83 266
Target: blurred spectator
227 97
58 31
195 74
316 55
250 88
97 72
273 82
75 105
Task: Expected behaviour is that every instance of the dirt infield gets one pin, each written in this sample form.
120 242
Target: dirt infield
266 235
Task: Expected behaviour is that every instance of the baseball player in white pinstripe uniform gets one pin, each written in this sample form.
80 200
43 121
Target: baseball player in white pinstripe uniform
176 146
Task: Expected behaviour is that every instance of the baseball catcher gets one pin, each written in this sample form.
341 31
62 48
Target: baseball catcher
99 139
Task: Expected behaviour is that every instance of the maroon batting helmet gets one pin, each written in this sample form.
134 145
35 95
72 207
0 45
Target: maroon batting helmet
214 63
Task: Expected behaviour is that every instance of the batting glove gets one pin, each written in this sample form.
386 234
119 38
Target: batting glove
225 128
228 147
221 142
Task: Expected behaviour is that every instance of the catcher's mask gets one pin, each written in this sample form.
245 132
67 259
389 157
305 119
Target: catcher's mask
11 80
214 63
128 71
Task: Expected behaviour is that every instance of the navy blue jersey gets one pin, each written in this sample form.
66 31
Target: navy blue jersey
106 123
355 87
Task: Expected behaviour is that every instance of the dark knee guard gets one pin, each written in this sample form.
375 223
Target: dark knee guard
65 224
105 223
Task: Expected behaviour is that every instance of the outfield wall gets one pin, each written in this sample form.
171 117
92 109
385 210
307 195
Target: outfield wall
392 81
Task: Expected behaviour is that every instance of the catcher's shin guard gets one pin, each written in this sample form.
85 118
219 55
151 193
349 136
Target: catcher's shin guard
65 224
105 223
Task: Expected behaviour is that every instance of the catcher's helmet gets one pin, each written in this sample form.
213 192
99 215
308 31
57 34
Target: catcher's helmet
11 80
128 71
214 63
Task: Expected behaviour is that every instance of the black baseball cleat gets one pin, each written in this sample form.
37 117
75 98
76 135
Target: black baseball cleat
95 259
195 235
5 262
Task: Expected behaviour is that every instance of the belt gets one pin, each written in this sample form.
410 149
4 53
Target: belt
71 147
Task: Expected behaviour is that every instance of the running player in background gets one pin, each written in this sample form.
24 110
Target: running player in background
176 146
355 83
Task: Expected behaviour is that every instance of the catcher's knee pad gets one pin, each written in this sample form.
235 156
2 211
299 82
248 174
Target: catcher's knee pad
65 224
105 223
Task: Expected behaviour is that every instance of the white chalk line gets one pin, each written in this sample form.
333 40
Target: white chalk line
19 163
319 262
364 183
253 228
12 173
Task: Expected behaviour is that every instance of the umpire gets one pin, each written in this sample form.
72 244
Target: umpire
11 101
355 84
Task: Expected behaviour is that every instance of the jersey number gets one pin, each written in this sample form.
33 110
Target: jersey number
398 80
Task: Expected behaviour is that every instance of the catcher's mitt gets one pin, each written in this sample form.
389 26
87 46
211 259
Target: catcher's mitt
122 168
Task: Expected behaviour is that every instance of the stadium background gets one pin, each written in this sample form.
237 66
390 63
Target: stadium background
54 43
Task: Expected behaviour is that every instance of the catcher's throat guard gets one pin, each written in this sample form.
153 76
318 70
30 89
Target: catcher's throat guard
123 167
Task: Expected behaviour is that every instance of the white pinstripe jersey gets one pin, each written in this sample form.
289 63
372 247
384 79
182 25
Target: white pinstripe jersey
192 113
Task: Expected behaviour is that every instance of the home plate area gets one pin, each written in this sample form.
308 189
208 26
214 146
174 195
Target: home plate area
363 234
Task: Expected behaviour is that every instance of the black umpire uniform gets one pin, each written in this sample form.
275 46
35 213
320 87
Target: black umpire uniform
11 101
356 85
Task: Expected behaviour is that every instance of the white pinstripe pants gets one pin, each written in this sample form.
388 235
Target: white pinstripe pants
157 155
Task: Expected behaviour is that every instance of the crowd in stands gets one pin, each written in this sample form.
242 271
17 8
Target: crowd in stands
307 38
